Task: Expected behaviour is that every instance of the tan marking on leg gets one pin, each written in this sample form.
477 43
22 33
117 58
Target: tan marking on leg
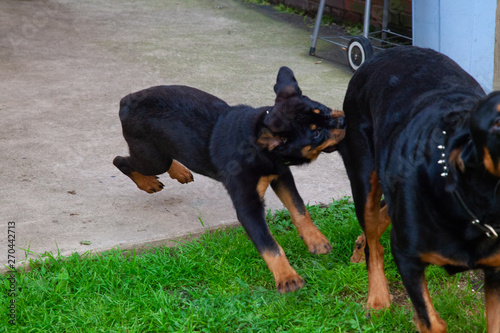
286 277
490 165
493 261
438 325
358 255
316 242
150 184
498 107
437 259
376 223
180 173
263 184
492 297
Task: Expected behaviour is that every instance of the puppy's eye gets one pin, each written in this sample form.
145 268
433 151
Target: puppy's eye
317 133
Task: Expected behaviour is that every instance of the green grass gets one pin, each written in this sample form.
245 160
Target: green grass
219 283
279 7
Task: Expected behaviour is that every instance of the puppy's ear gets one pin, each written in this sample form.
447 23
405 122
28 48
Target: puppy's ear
286 84
268 140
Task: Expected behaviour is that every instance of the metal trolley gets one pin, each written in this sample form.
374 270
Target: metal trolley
359 48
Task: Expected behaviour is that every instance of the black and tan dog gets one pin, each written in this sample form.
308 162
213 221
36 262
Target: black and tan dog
246 149
421 132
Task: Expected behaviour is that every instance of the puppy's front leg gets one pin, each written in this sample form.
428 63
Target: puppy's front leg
285 189
250 212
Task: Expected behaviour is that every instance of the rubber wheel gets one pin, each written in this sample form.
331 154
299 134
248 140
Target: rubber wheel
359 50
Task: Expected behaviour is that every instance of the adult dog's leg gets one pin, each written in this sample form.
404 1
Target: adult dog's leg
358 255
285 189
250 212
359 159
376 222
492 295
412 273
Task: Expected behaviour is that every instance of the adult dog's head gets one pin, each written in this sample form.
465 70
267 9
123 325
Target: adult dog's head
297 129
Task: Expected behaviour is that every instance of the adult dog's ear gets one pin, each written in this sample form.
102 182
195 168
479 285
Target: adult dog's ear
460 160
286 84
485 131
268 139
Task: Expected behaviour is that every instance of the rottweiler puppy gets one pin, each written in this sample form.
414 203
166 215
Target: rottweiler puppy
175 129
421 132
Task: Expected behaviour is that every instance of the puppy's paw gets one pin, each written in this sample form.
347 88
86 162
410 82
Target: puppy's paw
287 279
180 173
316 242
149 184
358 255
290 284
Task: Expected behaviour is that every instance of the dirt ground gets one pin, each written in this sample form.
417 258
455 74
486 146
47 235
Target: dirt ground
64 66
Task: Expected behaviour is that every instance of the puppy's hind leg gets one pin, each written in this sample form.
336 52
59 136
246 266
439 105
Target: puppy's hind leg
144 164
149 184
180 173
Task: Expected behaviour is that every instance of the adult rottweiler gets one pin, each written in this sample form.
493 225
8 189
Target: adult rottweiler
421 132
176 128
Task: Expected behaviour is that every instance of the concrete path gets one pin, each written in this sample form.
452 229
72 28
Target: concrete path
64 66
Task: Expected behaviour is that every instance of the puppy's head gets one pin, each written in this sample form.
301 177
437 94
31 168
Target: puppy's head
297 129
485 131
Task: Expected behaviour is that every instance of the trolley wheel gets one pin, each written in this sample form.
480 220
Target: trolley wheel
358 51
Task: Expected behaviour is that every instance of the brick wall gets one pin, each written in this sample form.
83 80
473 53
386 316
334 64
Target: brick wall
353 11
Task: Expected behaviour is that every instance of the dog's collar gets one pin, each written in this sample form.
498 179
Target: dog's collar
489 231
486 228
